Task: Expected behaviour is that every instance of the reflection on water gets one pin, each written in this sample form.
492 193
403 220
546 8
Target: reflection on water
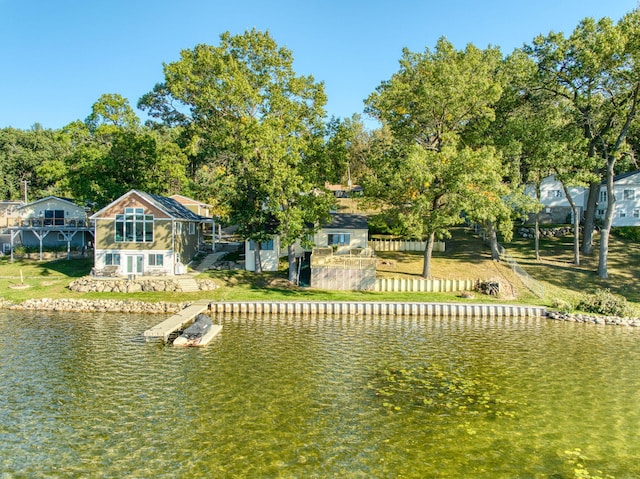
85 396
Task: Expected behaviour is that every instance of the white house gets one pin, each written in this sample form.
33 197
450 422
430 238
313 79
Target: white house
556 208
344 232
555 205
626 188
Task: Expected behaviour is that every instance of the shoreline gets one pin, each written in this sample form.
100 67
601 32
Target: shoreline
357 308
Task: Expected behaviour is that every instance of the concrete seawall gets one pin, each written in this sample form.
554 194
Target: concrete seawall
453 310
356 308
320 308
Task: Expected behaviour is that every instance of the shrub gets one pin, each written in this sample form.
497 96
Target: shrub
631 233
562 305
603 301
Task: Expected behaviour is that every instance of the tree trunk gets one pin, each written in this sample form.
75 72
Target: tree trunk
291 256
493 242
608 220
428 250
576 226
256 255
590 218
536 235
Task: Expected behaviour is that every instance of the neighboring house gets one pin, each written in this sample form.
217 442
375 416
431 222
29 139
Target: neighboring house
145 234
9 213
341 258
555 206
51 222
626 188
343 234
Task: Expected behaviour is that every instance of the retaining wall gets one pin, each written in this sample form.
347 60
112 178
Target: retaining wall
454 310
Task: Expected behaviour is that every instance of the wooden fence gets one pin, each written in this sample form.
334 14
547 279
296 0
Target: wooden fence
401 245
424 285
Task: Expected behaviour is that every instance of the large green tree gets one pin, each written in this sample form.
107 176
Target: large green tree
26 159
595 72
430 105
255 125
110 153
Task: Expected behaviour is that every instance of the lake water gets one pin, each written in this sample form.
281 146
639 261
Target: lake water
85 396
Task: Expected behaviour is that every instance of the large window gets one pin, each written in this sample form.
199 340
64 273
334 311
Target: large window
54 217
339 239
629 194
134 226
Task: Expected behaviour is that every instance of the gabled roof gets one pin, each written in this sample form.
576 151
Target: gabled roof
347 221
169 206
622 176
49 198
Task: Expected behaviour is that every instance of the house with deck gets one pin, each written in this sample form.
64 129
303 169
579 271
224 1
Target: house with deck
146 234
51 223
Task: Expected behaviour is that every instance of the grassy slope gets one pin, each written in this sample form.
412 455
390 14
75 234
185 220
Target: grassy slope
466 257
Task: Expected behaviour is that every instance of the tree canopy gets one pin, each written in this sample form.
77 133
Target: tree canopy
461 131
255 124
431 105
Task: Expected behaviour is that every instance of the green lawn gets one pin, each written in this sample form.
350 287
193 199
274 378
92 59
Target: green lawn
466 257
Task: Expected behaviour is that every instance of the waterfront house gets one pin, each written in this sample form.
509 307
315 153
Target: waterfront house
145 234
51 223
204 210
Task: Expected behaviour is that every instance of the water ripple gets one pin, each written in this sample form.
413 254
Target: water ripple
85 396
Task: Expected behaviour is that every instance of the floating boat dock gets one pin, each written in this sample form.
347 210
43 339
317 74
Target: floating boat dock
176 322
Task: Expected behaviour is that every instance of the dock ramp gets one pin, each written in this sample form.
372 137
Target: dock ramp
176 322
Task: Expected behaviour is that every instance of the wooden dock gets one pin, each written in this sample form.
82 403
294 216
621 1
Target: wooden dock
176 322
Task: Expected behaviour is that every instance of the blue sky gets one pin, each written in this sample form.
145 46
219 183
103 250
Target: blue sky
58 56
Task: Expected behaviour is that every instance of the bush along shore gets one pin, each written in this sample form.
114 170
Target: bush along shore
142 307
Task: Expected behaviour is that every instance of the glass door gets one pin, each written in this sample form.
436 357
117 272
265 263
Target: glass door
135 264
